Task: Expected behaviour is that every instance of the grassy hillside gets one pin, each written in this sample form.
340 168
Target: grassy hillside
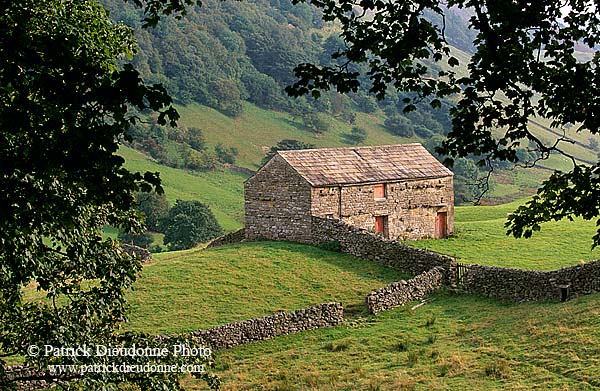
257 130
222 190
454 342
480 238
238 282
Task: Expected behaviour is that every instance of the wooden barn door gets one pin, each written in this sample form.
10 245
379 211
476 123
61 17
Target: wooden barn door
381 225
441 225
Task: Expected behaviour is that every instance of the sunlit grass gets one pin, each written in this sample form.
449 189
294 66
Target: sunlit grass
480 237
189 290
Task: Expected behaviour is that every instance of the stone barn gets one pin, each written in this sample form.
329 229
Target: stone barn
399 191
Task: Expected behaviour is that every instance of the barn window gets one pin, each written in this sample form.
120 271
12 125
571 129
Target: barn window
379 190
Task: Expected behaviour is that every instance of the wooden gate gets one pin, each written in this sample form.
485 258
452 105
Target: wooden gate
460 273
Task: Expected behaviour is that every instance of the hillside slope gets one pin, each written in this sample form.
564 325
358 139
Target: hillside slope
221 189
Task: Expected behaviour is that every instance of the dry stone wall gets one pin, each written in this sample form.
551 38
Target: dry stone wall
260 329
362 244
531 285
41 380
228 335
402 292
229 238
144 254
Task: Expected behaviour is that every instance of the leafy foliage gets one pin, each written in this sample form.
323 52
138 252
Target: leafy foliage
524 65
356 136
189 223
195 139
285 145
141 240
226 52
226 154
154 206
316 123
64 105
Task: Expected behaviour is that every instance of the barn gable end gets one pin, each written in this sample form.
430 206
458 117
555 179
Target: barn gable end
277 203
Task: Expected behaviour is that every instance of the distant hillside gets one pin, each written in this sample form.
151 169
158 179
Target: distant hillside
226 65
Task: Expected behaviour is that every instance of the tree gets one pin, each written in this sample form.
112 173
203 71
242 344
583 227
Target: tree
154 206
226 154
64 105
188 224
195 139
399 125
315 122
524 65
227 96
285 145
356 136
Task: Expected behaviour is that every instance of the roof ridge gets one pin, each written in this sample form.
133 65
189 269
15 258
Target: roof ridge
380 163
347 148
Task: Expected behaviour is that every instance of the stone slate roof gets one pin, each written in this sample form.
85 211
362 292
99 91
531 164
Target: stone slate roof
353 165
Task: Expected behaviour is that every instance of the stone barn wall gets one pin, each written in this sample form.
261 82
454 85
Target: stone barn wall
411 206
277 203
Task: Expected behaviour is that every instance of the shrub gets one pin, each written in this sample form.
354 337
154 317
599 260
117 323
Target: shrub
399 125
154 206
226 154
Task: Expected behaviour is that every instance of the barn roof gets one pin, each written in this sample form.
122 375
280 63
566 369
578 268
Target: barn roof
384 163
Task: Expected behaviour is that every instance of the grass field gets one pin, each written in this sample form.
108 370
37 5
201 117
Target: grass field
238 282
480 238
455 342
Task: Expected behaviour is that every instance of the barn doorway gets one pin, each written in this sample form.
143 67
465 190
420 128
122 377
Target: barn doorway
441 225
381 225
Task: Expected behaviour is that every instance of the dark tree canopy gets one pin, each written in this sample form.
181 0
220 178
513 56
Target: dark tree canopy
154 206
64 106
189 223
285 145
524 65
